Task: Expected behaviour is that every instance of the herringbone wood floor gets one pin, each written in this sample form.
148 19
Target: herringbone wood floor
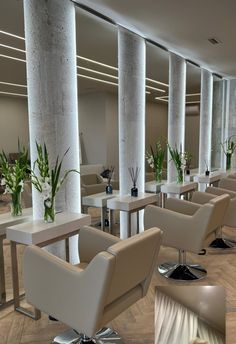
136 324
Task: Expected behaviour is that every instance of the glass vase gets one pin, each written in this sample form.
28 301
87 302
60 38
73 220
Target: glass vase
180 176
49 211
16 208
228 161
158 175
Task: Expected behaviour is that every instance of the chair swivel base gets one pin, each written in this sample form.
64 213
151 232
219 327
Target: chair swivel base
223 243
182 272
104 336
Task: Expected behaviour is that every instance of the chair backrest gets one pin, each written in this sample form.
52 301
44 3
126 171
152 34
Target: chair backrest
135 260
219 191
220 204
90 179
228 183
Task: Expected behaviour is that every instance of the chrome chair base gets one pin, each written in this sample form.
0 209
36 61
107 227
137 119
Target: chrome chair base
104 336
223 243
182 272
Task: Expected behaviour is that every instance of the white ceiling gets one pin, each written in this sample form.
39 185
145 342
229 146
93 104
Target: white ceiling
182 26
207 301
96 39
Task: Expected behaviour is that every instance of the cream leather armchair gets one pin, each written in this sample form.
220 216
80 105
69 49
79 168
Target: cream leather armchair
186 226
229 218
113 275
92 183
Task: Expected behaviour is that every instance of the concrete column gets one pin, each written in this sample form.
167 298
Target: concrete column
217 123
205 120
52 95
132 67
230 128
176 109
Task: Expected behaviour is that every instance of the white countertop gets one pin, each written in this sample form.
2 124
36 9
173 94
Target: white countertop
154 186
38 231
7 219
129 203
178 188
98 200
213 177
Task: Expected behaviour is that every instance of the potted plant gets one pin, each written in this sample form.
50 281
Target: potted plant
228 147
13 177
178 158
187 157
48 180
156 160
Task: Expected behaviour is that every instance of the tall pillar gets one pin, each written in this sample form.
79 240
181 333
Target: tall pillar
230 128
205 120
217 123
176 109
52 96
132 67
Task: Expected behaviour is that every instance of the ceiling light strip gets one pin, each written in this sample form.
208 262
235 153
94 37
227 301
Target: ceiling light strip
155 89
97 72
95 79
13 94
12 58
157 82
12 35
12 48
11 84
194 102
161 99
96 62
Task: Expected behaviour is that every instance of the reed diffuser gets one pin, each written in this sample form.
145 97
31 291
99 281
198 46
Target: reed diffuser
109 188
134 173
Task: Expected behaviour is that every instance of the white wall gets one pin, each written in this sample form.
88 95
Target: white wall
13 123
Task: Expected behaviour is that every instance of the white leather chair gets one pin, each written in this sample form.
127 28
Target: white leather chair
92 183
113 275
229 218
228 183
186 226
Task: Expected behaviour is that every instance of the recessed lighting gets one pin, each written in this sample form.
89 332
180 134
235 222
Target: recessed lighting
13 94
214 40
12 58
97 72
12 35
11 84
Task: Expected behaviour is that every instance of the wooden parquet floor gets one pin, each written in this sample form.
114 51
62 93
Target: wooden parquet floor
136 324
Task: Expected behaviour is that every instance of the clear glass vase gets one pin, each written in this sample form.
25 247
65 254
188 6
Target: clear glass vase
180 176
49 210
16 208
158 175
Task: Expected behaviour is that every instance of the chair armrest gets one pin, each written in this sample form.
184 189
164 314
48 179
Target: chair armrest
181 206
62 290
202 197
180 231
92 241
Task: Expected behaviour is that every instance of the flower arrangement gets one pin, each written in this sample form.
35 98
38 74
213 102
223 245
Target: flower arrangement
13 176
228 147
178 158
187 158
156 159
48 180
